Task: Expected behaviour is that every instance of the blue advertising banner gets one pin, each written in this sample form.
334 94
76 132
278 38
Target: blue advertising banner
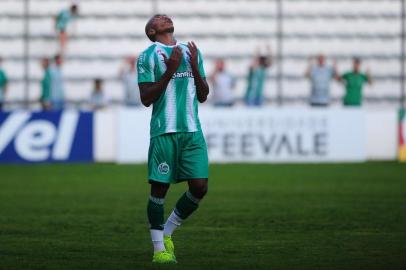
33 137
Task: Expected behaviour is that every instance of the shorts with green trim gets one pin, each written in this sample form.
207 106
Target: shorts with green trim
177 157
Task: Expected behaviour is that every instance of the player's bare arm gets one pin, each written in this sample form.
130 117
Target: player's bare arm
202 88
150 92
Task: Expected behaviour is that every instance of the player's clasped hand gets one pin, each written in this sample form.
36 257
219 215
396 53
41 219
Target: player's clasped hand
192 53
172 63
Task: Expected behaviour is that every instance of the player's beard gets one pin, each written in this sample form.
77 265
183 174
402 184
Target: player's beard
168 30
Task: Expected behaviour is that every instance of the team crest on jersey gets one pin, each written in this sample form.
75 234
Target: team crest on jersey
163 168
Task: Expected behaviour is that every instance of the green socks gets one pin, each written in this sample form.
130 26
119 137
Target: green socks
155 211
186 205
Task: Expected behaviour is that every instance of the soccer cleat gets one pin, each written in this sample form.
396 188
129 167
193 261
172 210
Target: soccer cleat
170 248
163 257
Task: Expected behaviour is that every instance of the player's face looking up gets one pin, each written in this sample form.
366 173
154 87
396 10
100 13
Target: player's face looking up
164 24
159 25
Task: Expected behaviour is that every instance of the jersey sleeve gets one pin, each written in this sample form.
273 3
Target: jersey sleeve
201 65
145 68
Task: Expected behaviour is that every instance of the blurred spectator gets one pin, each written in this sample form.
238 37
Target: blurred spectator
129 77
354 81
98 99
61 23
223 84
45 98
256 78
3 85
57 95
320 76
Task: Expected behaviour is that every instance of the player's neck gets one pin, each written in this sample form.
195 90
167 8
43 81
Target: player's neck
166 39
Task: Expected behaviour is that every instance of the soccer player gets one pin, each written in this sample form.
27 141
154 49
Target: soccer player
61 23
354 82
172 78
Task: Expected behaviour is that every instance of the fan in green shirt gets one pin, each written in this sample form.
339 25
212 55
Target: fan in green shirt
354 81
254 95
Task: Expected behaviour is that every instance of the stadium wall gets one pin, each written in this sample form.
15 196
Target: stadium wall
242 135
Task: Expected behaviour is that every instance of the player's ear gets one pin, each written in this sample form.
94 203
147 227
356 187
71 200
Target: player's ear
151 32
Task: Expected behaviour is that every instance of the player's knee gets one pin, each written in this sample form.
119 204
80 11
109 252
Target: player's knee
159 190
199 190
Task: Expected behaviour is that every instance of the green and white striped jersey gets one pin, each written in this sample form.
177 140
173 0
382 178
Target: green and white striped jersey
176 109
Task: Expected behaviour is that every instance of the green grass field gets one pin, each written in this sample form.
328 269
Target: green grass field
333 216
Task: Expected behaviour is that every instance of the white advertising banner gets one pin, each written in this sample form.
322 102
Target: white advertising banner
260 135
104 135
382 134
132 135
285 135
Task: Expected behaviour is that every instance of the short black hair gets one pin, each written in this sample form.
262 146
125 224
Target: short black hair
57 56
